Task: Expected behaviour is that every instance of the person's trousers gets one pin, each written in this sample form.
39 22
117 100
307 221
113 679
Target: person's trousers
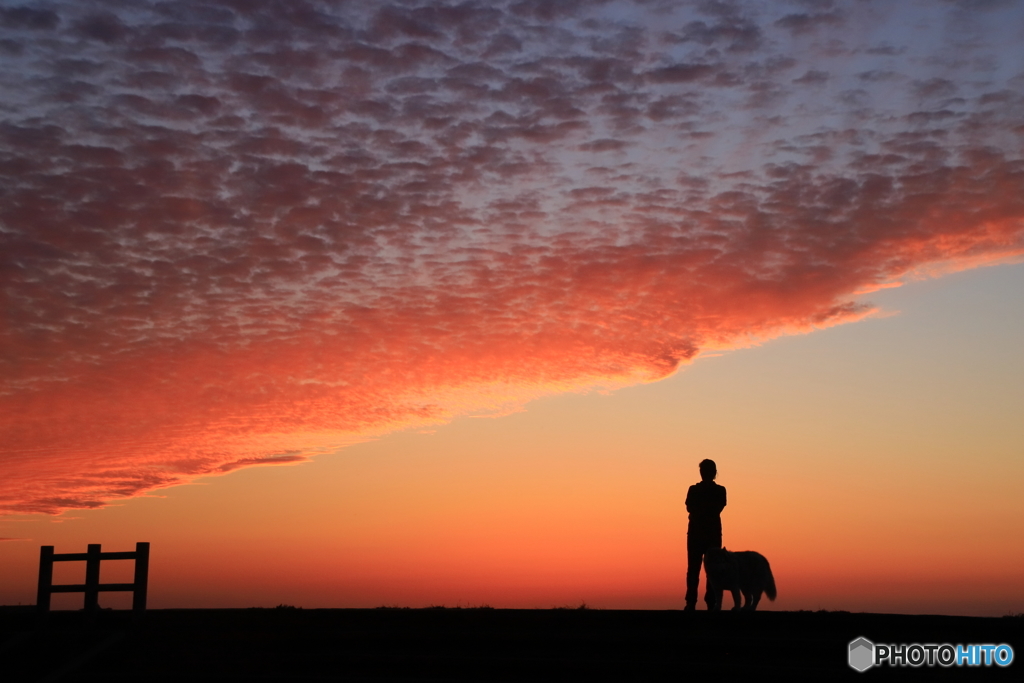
696 546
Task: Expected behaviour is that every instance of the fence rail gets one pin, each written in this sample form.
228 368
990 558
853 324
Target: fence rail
92 586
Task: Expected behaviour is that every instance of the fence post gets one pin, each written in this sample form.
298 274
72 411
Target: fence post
141 577
92 587
92 578
45 578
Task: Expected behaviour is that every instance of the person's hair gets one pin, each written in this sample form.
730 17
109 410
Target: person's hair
708 467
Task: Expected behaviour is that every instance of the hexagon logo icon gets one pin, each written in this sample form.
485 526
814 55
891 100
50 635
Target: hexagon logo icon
862 654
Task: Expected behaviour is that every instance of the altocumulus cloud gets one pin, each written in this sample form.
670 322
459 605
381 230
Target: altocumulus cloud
240 233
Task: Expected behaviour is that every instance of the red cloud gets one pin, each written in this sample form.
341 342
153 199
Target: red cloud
376 234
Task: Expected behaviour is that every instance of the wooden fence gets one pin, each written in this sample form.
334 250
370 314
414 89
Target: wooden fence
92 586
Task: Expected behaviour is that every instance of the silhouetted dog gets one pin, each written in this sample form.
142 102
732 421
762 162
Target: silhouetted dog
744 572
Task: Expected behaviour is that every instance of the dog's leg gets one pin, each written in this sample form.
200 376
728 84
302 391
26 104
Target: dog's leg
716 596
737 600
753 599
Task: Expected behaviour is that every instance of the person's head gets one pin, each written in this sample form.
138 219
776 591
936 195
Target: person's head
708 470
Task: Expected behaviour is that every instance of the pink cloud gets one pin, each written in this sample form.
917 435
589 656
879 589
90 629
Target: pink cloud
252 237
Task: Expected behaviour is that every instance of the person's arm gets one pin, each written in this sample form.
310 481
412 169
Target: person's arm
722 506
689 496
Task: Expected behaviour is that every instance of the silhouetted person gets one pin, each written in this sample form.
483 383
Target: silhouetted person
704 502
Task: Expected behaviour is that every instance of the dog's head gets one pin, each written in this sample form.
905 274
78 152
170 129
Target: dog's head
717 557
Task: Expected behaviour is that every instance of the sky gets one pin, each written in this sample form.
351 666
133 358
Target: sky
416 303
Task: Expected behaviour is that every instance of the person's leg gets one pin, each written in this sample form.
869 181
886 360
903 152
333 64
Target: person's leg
708 544
694 558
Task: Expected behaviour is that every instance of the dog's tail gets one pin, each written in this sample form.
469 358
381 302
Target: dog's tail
769 590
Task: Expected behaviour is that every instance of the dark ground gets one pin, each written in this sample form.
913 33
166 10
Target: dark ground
288 644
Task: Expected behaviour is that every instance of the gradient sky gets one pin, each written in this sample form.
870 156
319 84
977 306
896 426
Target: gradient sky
422 277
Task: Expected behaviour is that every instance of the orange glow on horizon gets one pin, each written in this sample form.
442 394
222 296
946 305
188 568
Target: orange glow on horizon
255 282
